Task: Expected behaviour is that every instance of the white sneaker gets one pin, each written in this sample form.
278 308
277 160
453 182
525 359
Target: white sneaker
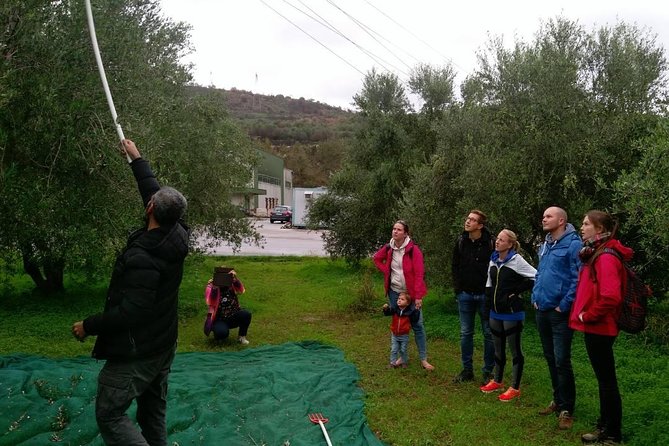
242 340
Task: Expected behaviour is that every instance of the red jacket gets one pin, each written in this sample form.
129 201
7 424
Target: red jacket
600 302
402 319
412 266
400 325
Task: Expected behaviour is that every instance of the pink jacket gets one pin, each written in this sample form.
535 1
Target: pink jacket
214 299
412 266
600 302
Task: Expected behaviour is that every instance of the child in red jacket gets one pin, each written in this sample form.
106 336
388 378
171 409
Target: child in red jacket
403 317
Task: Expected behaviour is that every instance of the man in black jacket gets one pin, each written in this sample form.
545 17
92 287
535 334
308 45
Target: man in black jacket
471 256
137 331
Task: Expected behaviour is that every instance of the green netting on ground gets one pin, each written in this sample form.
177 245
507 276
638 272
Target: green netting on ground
259 396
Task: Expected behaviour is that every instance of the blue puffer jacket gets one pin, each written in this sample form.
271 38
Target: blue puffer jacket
557 274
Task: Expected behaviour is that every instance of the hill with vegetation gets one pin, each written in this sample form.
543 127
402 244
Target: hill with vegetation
309 135
287 121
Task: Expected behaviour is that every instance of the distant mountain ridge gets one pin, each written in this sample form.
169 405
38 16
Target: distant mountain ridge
310 136
285 121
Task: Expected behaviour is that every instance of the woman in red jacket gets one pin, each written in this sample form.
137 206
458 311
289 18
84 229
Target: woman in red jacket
401 263
595 312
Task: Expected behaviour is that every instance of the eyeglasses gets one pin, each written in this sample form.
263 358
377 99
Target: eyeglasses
475 220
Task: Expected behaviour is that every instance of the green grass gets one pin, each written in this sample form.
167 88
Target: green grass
294 299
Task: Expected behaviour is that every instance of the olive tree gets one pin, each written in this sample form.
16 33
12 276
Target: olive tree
548 122
642 202
364 195
67 197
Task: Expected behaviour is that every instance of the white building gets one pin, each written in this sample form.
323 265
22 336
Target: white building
302 199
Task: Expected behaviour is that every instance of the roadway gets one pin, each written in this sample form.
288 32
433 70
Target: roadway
279 241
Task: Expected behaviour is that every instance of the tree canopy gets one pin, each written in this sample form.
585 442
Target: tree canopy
67 198
571 118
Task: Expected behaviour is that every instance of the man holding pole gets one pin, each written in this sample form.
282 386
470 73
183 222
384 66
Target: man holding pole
137 331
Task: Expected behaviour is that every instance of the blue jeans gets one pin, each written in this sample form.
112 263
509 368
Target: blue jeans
418 327
468 306
556 337
398 348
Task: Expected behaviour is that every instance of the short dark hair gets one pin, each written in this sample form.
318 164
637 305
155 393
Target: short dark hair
169 205
483 218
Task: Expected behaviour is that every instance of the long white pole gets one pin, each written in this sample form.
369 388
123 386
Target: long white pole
103 76
325 433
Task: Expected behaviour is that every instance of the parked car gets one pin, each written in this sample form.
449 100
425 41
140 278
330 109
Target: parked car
281 213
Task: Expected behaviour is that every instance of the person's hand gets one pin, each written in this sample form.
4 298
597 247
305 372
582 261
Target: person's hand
536 306
419 304
386 306
558 309
78 330
130 149
580 316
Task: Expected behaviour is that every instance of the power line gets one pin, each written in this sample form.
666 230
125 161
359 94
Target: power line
448 59
312 37
325 23
367 29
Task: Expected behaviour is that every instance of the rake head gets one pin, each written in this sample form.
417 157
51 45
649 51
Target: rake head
317 418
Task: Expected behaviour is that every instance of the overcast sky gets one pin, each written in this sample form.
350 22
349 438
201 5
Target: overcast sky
272 47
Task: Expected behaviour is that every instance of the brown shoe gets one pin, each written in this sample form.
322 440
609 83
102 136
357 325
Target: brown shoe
565 421
551 408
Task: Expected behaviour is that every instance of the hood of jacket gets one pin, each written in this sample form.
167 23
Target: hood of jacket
568 234
169 243
625 251
405 243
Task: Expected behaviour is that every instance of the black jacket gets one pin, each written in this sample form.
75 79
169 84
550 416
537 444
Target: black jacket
506 281
140 314
470 262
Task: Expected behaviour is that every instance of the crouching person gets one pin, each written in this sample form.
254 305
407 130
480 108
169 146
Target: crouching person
221 295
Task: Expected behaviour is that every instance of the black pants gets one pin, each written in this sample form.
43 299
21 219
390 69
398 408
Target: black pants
600 352
241 319
504 332
121 382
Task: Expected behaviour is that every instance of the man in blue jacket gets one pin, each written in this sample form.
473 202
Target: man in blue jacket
553 293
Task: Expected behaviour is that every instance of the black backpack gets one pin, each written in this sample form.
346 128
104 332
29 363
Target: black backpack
635 298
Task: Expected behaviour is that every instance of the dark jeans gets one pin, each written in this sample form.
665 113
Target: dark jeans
241 319
469 305
121 382
503 332
600 352
418 327
556 337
